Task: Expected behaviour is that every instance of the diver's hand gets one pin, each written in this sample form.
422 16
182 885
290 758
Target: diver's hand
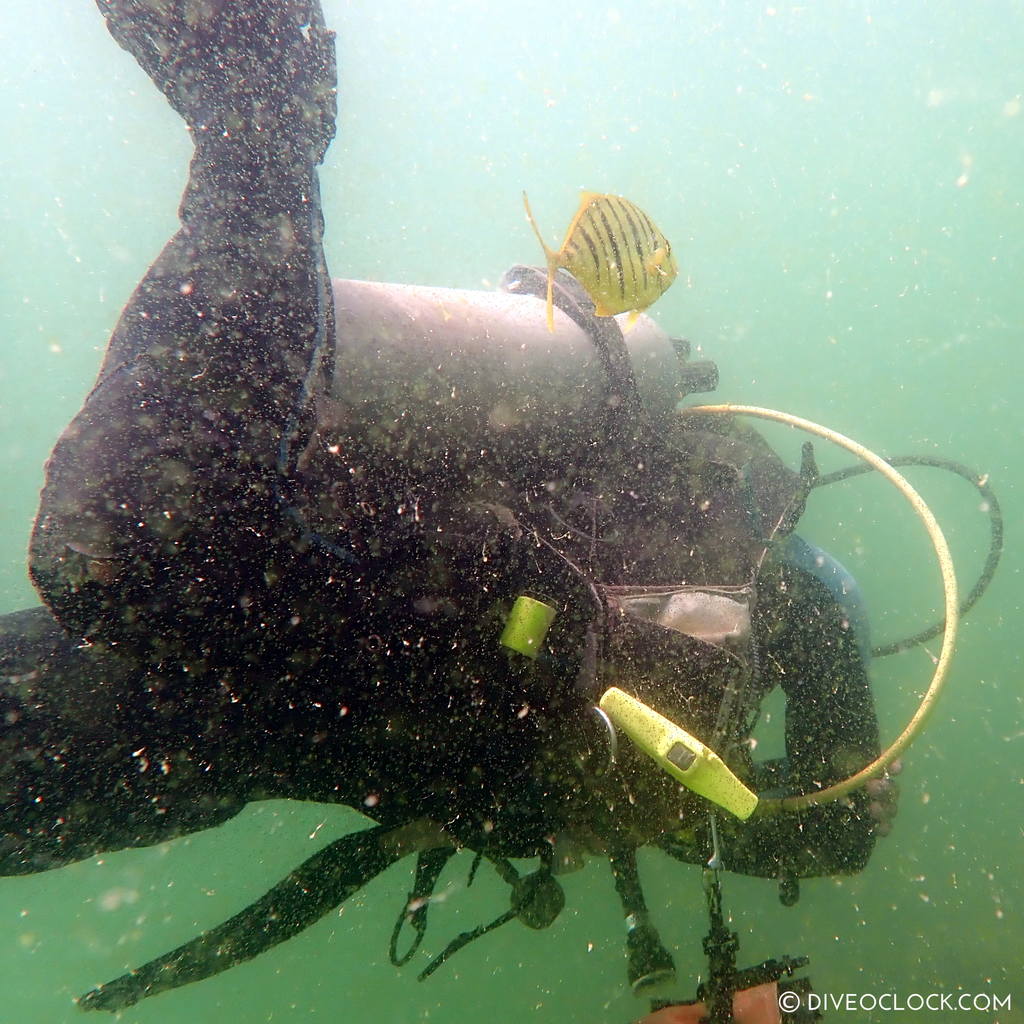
884 793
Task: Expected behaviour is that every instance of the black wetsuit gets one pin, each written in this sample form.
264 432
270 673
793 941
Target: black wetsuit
242 606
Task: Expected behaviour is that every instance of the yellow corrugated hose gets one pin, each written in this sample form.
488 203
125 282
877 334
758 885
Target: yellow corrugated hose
927 705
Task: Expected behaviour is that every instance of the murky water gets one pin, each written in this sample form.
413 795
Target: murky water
843 185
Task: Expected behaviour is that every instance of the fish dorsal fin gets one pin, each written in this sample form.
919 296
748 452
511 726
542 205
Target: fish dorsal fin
550 257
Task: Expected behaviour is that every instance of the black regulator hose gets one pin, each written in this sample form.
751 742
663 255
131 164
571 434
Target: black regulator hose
990 504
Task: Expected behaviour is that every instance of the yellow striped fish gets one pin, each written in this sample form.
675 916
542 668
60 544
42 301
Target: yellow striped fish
615 251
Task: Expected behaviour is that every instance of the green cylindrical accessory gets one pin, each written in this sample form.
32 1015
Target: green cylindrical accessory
527 625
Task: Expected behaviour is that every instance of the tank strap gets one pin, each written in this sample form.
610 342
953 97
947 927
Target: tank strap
625 408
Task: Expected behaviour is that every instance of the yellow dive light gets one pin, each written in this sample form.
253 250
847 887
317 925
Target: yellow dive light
683 756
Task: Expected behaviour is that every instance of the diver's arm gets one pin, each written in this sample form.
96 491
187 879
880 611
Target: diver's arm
96 754
810 649
817 657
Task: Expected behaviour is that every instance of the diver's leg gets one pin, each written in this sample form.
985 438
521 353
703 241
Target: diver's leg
160 518
97 755
320 884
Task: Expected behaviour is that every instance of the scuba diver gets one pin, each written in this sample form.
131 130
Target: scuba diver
403 549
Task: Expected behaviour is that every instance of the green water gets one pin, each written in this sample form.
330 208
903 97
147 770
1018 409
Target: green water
843 183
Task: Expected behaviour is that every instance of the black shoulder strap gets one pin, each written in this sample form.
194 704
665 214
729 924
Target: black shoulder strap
625 408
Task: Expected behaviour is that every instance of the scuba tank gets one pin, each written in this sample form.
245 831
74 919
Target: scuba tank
423 369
